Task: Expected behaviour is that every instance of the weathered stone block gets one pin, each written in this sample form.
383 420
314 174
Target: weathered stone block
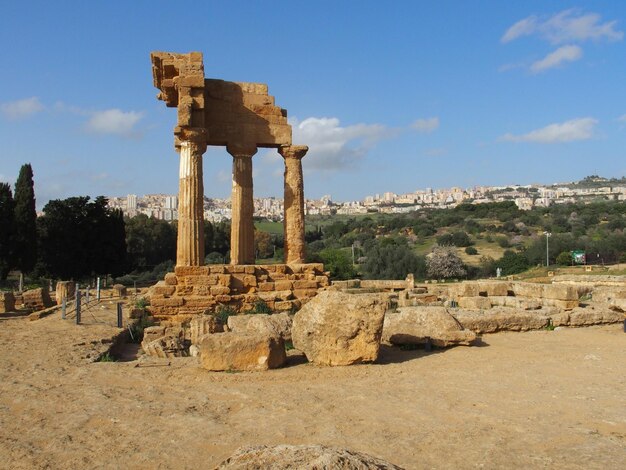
304 293
475 303
64 289
203 325
302 456
266 286
416 325
37 299
220 290
500 319
171 279
335 328
560 292
164 290
7 302
278 324
284 306
494 288
305 284
283 285
562 304
528 289
191 270
234 351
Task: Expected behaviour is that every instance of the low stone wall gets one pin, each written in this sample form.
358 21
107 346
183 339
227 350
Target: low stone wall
192 290
482 295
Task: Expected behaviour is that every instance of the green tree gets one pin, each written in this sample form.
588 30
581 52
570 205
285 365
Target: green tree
79 238
512 263
7 206
391 258
25 239
338 262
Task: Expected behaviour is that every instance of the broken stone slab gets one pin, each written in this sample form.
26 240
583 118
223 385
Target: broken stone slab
418 325
302 456
202 325
167 346
277 324
335 328
500 319
241 351
152 334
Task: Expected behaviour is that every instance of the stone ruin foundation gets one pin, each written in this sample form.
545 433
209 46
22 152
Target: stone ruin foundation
241 117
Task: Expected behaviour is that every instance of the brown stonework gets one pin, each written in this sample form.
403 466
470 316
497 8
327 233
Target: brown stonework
197 290
294 202
242 225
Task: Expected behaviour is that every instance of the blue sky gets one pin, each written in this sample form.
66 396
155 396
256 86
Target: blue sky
390 96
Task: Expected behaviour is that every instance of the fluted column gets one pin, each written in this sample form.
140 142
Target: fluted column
190 243
294 203
242 223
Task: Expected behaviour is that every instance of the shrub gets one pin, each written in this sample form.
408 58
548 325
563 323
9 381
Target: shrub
223 312
260 306
470 250
564 258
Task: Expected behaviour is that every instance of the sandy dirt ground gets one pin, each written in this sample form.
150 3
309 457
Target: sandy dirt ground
552 399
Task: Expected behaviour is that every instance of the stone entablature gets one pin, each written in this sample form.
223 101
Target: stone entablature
192 290
242 117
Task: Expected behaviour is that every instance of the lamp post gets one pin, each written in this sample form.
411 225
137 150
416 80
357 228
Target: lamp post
548 235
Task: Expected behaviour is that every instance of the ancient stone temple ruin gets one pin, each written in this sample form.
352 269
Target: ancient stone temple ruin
241 117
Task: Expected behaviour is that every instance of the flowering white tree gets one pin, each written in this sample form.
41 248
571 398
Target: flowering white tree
444 263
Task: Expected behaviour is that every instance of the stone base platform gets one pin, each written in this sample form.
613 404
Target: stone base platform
192 290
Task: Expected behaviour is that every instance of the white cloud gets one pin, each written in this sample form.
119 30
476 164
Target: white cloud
622 118
332 146
568 131
22 108
554 59
426 125
114 121
566 26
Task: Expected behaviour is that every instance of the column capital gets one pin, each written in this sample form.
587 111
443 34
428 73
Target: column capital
293 151
242 150
195 136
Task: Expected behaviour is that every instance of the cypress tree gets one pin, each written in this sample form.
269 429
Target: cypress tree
7 207
25 221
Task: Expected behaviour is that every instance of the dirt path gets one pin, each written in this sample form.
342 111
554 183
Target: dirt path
541 399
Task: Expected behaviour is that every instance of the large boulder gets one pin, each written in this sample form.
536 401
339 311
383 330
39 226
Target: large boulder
335 328
500 319
245 351
416 325
283 457
278 324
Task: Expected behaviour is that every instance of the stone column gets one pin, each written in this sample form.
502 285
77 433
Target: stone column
190 245
294 202
242 224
